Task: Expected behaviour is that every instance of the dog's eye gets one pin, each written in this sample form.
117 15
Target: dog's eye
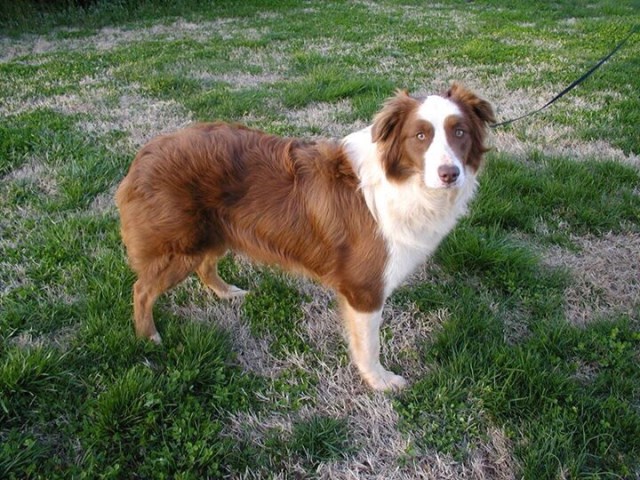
459 133
421 136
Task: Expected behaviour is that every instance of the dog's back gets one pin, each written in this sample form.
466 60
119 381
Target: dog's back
213 187
177 186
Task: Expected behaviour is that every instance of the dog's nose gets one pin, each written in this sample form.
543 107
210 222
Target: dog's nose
448 173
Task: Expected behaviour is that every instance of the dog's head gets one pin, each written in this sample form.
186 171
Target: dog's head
440 137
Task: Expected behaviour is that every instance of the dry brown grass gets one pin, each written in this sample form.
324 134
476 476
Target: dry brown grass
324 117
109 38
382 447
61 339
106 109
36 172
237 80
556 141
606 276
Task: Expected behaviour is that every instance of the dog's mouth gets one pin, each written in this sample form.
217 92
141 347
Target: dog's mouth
449 186
443 186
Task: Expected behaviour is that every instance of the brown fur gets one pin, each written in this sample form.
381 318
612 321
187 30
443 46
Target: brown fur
480 114
388 127
192 195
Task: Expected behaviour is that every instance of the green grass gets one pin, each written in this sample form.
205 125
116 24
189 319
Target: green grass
274 309
530 384
314 440
559 197
82 88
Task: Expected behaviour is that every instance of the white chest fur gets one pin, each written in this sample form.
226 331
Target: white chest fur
412 218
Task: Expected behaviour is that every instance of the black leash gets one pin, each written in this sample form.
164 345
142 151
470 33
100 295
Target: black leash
574 84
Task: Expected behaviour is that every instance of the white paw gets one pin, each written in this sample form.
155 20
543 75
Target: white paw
231 292
155 338
386 381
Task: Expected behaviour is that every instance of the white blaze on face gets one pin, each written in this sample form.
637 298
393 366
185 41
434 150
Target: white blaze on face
436 110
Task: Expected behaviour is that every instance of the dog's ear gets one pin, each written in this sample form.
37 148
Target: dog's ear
479 107
481 114
392 116
387 132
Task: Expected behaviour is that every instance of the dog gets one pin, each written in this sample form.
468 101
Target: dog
358 215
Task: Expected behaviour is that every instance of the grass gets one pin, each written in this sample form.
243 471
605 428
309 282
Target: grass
556 198
314 440
273 309
553 386
504 382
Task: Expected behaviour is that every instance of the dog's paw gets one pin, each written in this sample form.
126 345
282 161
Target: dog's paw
386 381
231 292
155 338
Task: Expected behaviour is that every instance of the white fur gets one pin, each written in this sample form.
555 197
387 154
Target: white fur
413 215
435 110
364 344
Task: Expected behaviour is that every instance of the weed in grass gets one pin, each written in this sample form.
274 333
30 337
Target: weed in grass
487 253
449 418
593 417
224 104
320 439
29 378
534 292
26 308
485 264
293 388
201 363
35 133
21 453
50 290
29 188
531 387
230 270
80 167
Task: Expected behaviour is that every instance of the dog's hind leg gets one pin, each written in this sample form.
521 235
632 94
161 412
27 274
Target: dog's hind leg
208 273
157 277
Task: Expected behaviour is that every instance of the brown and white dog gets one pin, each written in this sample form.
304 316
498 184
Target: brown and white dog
358 215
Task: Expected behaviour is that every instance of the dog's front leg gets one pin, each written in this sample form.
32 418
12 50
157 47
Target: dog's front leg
363 329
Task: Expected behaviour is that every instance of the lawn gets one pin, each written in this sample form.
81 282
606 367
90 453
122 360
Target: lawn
520 337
